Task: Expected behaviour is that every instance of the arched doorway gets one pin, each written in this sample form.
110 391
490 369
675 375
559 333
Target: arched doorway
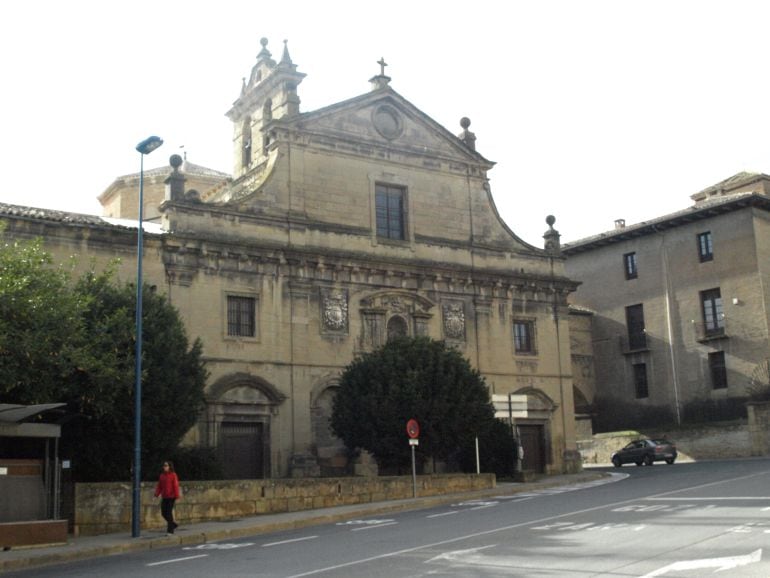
330 451
239 412
534 431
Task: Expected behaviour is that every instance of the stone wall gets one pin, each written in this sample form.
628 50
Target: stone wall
102 508
759 427
706 442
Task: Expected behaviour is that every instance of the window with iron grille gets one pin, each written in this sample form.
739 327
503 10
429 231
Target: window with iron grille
637 337
640 380
241 316
705 247
390 203
718 369
524 336
629 265
713 315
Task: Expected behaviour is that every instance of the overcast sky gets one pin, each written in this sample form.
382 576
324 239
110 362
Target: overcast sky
592 110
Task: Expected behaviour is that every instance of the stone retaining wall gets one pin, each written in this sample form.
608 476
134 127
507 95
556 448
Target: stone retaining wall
102 508
707 442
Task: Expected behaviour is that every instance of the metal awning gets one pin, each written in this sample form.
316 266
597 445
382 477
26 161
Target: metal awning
12 418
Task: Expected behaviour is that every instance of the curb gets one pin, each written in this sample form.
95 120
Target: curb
38 558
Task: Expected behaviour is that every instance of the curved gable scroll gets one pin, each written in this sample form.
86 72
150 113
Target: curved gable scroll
243 387
409 312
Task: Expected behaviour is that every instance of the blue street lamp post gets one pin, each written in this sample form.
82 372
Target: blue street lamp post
145 147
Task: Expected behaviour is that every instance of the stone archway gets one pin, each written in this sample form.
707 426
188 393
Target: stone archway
535 430
239 412
330 451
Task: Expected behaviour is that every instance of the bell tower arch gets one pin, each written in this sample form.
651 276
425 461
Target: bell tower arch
269 95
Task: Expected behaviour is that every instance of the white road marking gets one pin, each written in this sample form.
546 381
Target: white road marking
505 528
289 541
721 564
365 522
443 514
471 557
177 560
218 546
374 527
728 498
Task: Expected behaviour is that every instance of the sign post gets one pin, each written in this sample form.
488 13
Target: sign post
413 431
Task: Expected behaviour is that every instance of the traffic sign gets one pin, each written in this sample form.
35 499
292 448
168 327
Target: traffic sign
413 429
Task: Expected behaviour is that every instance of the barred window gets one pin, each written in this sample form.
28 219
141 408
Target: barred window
524 336
241 316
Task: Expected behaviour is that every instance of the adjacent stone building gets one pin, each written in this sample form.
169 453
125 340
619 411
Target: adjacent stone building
340 228
681 302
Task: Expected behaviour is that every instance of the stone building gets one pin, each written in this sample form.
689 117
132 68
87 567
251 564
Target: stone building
340 228
681 301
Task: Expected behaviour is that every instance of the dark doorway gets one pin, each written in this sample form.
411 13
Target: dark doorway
533 443
242 450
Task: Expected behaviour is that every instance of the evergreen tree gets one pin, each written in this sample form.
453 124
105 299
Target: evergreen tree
74 342
409 378
40 323
173 381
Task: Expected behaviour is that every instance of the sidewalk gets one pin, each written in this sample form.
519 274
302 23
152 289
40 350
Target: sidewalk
82 548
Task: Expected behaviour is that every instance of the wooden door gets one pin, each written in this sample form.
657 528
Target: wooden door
533 443
242 450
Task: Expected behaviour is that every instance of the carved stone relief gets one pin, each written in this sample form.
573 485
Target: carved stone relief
387 315
334 310
454 320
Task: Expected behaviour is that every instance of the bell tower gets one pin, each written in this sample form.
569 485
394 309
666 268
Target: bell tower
269 95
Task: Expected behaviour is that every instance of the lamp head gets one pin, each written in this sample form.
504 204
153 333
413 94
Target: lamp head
149 144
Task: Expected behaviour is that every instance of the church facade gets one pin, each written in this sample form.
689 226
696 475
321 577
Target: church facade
340 228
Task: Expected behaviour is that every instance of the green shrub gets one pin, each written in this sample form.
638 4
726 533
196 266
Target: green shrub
197 463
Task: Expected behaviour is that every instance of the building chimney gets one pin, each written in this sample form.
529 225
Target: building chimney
620 223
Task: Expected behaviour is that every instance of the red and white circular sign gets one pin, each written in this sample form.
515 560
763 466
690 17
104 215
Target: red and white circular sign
413 429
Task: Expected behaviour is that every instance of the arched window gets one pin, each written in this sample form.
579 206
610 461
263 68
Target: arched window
397 327
267 111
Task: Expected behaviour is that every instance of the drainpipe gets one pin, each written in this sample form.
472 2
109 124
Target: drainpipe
670 323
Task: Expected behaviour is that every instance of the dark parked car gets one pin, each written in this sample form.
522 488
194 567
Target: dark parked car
645 452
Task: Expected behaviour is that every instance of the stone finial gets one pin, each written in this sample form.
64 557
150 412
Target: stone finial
467 136
285 58
175 181
264 53
552 236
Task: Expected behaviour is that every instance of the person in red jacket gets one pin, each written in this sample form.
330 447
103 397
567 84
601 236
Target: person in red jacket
168 490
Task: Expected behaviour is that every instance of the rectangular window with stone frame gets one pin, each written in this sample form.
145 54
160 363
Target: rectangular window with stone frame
524 336
641 388
713 315
630 266
718 369
390 205
705 247
241 316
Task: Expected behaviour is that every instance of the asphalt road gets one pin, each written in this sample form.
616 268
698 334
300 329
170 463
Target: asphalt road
689 519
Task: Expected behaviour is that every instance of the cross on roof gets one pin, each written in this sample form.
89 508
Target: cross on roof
382 64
